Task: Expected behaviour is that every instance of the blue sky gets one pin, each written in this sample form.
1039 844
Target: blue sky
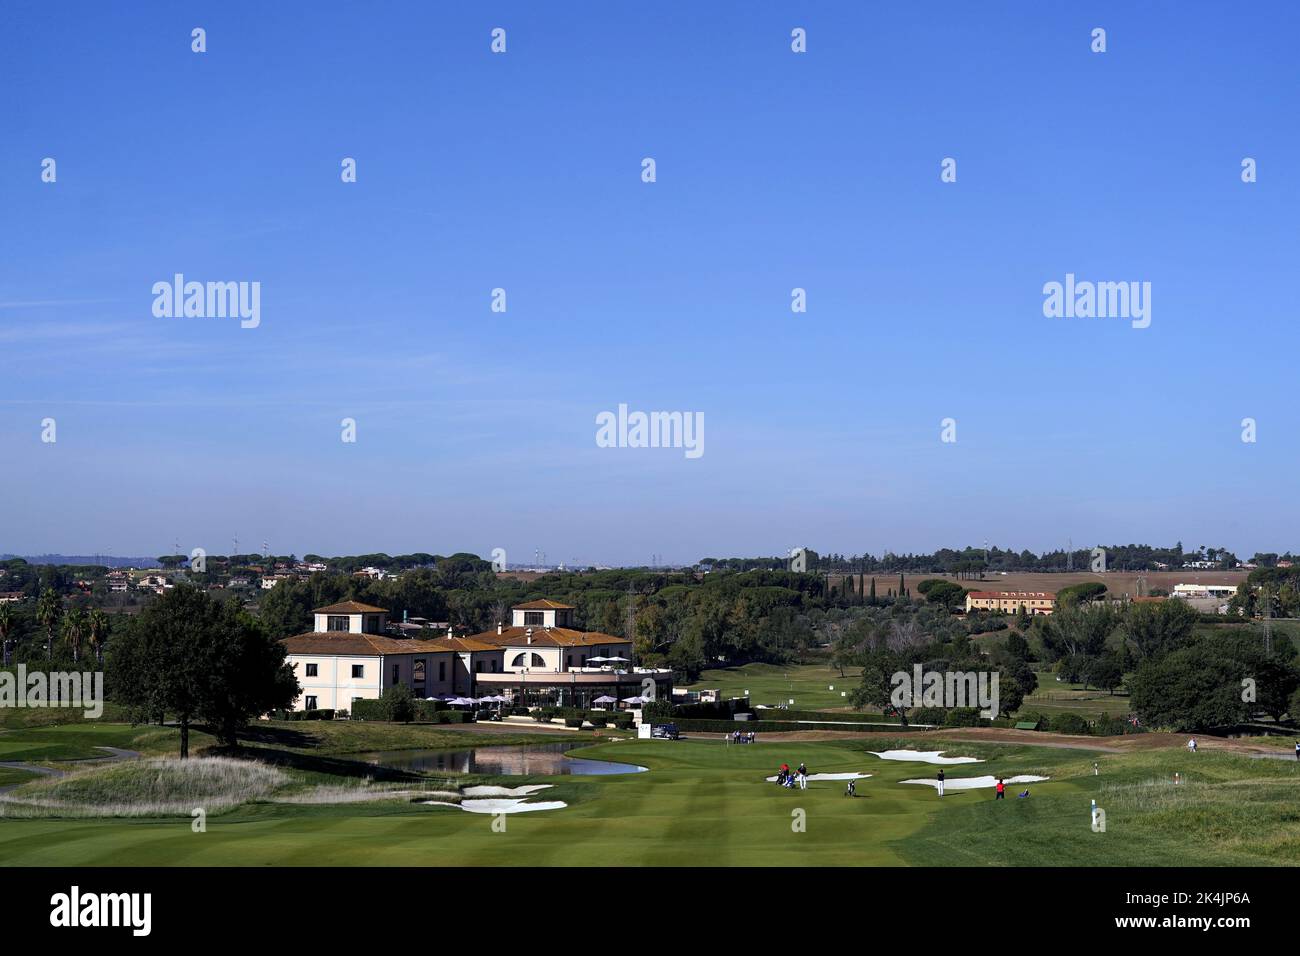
775 170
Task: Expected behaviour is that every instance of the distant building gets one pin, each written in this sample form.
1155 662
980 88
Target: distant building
11 597
1204 590
1010 602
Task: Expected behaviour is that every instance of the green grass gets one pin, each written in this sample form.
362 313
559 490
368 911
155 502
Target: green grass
1052 697
11 776
78 741
808 684
705 803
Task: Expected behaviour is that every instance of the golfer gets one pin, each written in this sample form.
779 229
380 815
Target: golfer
941 783
1002 790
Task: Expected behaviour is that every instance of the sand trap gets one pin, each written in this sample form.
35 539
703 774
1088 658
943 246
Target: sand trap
923 756
827 776
524 791
510 806
977 783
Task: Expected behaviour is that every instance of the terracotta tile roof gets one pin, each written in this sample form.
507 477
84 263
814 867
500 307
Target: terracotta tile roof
1013 595
546 637
351 607
356 645
459 644
543 605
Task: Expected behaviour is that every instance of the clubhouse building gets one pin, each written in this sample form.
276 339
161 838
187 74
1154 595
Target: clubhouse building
540 659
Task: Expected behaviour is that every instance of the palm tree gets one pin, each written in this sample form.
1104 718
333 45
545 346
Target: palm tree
98 623
6 629
74 625
48 608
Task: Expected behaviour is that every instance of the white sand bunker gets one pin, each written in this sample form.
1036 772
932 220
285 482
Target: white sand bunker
517 802
977 783
827 776
524 791
923 756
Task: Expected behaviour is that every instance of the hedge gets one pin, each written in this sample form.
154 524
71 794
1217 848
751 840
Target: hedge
845 717
767 726
425 710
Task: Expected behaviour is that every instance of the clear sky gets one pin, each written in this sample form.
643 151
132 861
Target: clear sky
522 171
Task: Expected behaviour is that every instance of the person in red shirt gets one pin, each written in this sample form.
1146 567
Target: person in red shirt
1002 790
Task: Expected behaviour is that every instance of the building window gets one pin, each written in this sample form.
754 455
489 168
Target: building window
478 667
397 673
418 672
311 702
337 622
358 671
519 661
311 670
442 670
534 618
568 661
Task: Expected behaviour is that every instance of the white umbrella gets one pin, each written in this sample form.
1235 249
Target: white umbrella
634 700
606 699
622 659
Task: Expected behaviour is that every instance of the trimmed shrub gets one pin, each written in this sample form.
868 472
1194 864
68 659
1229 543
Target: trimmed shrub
367 710
963 717
1068 724
768 726
573 721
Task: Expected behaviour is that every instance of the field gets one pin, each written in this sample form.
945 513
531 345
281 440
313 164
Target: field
704 802
808 684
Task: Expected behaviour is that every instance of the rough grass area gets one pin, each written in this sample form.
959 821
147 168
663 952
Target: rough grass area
157 787
771 684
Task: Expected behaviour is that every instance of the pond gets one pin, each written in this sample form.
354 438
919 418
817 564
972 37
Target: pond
543 760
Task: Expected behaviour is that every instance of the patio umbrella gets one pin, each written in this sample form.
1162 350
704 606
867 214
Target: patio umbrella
634 700
622 659
605 699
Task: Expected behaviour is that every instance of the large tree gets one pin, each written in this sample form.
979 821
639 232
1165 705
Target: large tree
202 661
1194 688
1154 629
